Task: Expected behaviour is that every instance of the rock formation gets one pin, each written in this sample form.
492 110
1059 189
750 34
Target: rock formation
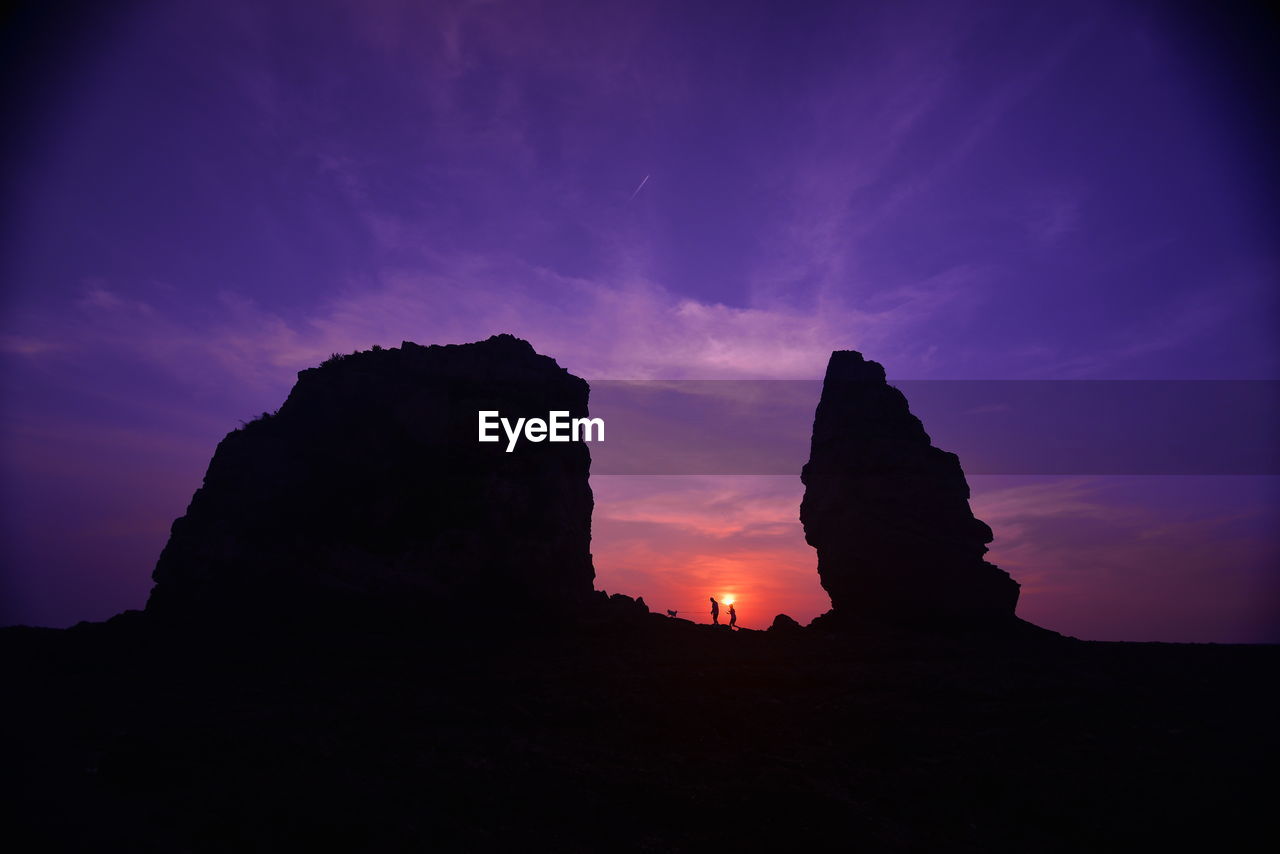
369 487
889 513
784 624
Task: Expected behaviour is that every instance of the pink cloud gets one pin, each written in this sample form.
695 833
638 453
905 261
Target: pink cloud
626 329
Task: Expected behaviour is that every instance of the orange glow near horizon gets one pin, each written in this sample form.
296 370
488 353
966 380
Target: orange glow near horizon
680 541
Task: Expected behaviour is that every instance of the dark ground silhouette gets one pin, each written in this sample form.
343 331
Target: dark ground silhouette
640 734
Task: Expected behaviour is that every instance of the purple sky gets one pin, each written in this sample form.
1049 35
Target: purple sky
200 199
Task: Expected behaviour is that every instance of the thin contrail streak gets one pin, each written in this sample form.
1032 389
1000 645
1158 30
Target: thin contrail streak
641 187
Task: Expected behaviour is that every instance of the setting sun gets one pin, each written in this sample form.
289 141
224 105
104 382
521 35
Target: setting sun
727 600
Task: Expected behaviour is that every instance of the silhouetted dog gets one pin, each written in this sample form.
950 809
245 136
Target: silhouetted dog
671 613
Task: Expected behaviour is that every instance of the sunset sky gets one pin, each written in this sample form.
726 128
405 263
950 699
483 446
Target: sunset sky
201 199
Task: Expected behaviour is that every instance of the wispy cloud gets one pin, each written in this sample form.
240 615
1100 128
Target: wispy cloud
1137 558
632 330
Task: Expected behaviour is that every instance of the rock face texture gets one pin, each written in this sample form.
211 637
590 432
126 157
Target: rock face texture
889 513
369 487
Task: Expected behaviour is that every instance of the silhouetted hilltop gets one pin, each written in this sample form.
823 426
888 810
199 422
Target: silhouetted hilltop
368 488
889 513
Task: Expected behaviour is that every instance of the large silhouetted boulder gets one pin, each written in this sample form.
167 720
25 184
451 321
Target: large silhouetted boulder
784 624
889 513
369 487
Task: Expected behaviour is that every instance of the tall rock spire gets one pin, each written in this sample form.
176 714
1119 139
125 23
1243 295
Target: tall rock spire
889 513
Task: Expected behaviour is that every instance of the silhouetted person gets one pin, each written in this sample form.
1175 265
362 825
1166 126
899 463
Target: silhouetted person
733 617
715 612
